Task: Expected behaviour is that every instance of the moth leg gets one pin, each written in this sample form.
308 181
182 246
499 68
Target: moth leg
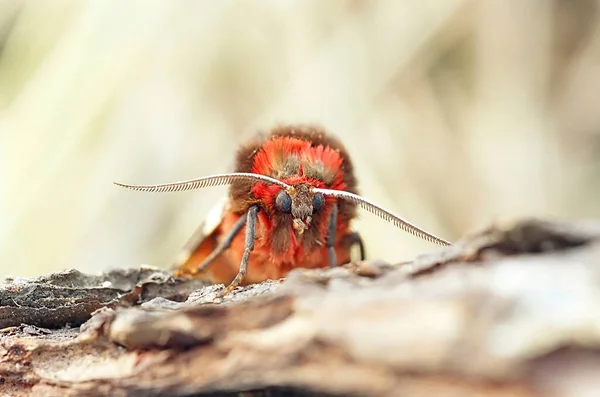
331 229
355 238
223 245
248 247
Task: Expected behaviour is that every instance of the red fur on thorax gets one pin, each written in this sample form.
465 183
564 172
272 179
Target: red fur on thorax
270 158
275 151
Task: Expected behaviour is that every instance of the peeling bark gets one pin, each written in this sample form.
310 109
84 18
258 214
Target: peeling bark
510 311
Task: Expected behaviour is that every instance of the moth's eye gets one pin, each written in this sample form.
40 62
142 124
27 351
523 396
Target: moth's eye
318 201
283 202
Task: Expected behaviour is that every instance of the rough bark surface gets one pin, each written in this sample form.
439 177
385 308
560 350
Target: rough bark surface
510 311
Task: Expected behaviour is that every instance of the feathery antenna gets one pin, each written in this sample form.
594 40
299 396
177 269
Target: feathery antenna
384 214
207 181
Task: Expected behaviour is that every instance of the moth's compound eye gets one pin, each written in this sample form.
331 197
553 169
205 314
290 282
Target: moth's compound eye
318 201
283 202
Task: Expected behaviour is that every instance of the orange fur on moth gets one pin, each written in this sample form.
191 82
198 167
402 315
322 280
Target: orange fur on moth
291 201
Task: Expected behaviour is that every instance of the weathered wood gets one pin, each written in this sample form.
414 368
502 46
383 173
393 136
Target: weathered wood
510 311
68 298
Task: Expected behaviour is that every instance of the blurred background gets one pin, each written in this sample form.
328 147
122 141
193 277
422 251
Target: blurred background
457 113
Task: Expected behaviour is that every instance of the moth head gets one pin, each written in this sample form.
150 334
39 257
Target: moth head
300 200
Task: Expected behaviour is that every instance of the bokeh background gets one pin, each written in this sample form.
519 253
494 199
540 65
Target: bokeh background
457 113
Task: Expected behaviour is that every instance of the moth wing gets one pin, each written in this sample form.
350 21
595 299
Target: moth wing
203 241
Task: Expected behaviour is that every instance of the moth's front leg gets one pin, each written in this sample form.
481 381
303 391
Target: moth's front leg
251 218
331 232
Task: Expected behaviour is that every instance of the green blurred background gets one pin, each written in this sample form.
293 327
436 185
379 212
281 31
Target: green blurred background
457 113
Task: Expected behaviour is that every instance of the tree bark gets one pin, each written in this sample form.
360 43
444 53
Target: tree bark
509 311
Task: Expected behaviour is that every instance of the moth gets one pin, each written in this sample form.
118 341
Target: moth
291 202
